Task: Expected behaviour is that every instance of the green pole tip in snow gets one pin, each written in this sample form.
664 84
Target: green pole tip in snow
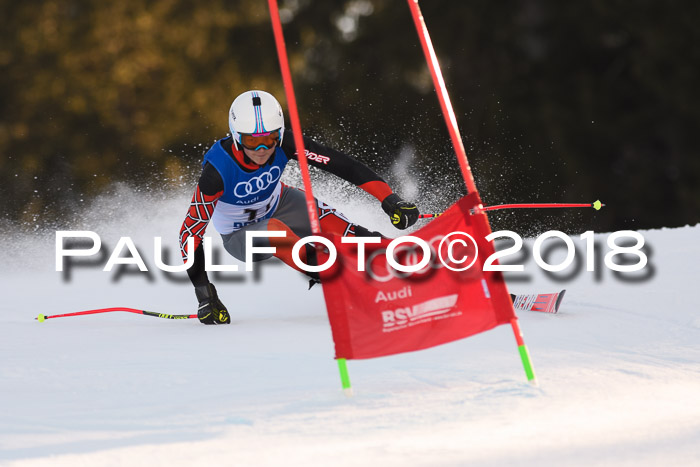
597 205
344 376
527 364
41 318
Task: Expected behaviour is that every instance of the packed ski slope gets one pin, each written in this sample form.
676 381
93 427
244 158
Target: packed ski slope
619 367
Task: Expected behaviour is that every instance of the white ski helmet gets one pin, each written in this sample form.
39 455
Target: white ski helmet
255 112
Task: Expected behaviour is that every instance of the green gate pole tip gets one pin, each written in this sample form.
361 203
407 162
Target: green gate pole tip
527 365
597 205
344 377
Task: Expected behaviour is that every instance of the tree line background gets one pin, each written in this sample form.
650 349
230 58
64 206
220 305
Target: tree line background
556 101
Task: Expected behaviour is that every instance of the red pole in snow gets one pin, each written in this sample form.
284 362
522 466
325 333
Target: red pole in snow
443 97
301 152
294 115
451 121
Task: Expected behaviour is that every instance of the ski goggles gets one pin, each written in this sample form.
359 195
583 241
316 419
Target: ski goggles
257 141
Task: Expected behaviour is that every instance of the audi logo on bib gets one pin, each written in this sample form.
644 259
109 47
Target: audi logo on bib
257 184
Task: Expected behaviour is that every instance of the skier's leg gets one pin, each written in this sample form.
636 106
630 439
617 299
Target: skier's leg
235 245
292 218
294 214
290 208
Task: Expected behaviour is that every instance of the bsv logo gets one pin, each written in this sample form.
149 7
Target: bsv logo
257 184
424 312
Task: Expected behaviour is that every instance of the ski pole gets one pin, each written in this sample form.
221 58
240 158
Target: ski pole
42 318
595 205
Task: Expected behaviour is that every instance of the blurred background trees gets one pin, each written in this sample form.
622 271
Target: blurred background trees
556 101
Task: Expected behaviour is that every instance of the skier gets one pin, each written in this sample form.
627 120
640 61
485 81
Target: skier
239 190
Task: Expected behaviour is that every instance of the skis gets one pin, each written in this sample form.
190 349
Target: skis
545 302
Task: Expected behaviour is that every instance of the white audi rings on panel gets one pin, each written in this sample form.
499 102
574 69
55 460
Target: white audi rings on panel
257 184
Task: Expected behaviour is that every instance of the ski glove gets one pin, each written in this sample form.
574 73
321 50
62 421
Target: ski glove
211 310
402 213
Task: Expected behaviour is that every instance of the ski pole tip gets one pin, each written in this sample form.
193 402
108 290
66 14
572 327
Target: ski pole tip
41 318
597 205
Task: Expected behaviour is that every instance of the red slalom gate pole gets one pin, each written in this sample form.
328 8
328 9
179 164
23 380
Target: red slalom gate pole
443 97
301 152
294 115
42 318
524 353
451 121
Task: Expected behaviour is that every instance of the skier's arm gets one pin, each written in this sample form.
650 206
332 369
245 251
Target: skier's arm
403 214
206 195
208 191
339 164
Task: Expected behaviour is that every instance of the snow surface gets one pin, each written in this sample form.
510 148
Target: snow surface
619 367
